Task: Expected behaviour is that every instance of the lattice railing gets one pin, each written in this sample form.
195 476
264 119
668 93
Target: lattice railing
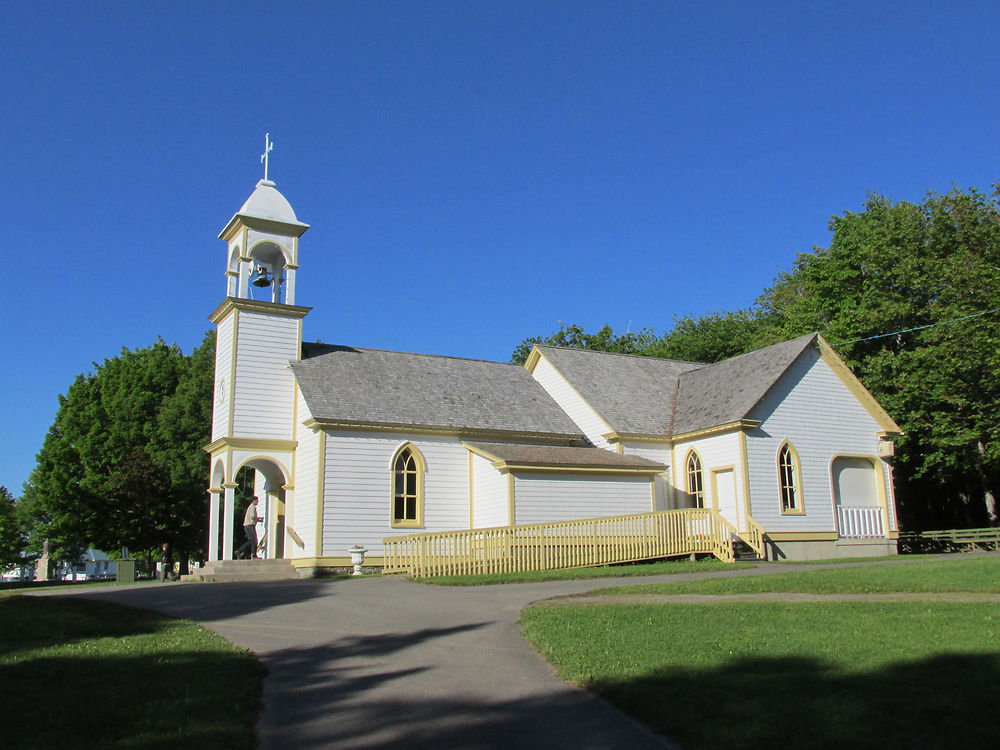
564 544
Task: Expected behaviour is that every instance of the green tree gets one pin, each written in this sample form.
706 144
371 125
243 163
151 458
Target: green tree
13 539
122 464
709 338
905 266
575 337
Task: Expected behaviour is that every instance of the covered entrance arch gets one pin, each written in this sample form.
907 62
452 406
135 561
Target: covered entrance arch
232 489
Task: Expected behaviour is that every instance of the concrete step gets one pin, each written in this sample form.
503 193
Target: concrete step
244 570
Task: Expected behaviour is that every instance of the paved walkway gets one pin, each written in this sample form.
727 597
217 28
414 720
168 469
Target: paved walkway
384 663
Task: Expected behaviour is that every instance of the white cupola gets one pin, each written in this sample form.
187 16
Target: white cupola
262 242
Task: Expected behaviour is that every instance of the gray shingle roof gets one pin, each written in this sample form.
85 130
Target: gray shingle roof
557 455
650 396
727 391
374 386
633 394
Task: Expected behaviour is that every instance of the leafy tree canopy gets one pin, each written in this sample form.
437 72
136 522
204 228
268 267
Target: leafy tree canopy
122 464
13 540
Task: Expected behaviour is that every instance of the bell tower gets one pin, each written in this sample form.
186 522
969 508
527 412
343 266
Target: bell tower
258 332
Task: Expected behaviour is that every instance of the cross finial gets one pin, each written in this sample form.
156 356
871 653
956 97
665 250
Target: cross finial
268 148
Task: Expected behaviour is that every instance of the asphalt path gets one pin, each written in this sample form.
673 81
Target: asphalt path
386 663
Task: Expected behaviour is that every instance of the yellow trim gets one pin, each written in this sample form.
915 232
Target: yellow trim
240 221
472 493
286 253
505 466
229 486
376 561
639 437
850 380
652 493
800 497
715 486
511 506
258 306
880 485
421 462
418 429
739 424
581 469
620 449
320 492
745 476
803 536
264 457
295 251
259 444
533 356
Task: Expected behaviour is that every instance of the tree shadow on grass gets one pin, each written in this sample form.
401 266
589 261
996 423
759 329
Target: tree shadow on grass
938 702
204 602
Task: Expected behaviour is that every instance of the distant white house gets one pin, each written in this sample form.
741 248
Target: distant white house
352 445
91 565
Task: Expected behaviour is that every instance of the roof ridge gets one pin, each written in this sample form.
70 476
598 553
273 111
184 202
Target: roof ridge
620 354
413 354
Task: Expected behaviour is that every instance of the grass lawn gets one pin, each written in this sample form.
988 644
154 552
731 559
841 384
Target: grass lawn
848 560
967 574
91 674
660 567
921 674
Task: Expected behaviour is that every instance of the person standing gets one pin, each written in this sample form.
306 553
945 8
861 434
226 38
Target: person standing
250 520
167 562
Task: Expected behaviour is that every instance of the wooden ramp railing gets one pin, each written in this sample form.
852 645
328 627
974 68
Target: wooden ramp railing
565 544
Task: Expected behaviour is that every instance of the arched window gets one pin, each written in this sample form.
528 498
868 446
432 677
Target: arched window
695 481
408 487
789 480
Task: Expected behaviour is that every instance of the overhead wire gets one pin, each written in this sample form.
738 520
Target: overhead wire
916 328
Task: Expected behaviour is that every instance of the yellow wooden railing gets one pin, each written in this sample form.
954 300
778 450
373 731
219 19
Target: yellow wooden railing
754 537
565 544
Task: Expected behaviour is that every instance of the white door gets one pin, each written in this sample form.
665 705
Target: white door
724 497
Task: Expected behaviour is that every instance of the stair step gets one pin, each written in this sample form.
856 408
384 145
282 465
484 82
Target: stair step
244 570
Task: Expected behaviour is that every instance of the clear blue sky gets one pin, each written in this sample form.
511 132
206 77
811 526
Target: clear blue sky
474 172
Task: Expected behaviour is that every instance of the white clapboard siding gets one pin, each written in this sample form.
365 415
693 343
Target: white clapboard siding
359 487
812 408
660 453
302 515
490 493
543 498
263 397
588 420
223 361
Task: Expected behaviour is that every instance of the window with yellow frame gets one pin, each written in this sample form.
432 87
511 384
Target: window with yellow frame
789 479
408 487
695 480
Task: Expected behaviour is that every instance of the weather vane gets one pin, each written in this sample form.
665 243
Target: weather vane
268 148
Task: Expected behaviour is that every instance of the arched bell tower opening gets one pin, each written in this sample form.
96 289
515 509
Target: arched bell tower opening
268 271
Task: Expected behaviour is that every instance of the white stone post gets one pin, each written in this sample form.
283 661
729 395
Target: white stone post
213 523
229 509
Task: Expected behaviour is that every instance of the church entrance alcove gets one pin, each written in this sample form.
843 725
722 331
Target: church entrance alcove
263 479
856 496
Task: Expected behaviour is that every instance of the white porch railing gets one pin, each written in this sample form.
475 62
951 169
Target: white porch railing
860 521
